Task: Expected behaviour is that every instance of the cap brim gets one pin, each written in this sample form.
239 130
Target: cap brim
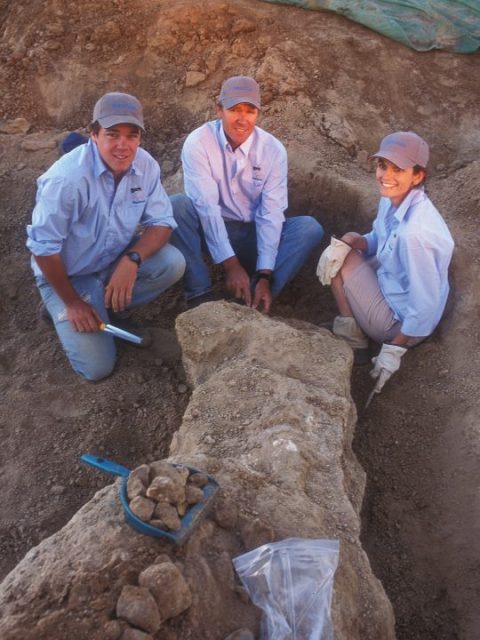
111 121
228 104
393 157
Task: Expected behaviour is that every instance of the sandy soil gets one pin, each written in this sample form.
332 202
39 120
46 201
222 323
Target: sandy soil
332 89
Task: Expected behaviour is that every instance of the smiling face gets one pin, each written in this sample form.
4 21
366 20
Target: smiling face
396 183
238 122
118 146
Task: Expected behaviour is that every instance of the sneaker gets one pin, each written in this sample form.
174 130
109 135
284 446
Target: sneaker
126 322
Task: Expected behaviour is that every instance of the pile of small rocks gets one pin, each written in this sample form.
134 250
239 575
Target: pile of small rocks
161 493
162 593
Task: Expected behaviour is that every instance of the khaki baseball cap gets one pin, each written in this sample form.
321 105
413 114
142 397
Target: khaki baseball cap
118 108
239 89
405 149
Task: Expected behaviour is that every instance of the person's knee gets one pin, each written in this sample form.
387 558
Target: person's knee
176 264
313 229
352 262
168 263
95 371
91 355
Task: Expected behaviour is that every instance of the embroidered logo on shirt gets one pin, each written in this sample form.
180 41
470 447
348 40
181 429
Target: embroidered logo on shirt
257 174
137 193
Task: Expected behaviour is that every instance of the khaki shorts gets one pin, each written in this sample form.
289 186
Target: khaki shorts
368 305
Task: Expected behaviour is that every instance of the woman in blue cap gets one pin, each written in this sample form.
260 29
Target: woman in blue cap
391 284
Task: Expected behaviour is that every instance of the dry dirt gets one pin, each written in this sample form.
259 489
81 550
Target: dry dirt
332 90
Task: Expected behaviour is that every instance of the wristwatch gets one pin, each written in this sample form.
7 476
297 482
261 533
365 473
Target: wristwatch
262 275
134 257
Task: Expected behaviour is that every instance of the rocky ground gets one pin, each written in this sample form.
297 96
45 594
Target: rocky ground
332 89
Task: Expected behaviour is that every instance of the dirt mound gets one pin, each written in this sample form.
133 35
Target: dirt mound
332 90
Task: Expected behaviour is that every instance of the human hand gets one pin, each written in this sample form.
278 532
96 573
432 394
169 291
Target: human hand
83 316
332 260
386 363
118 292
355 240
237 282
262 296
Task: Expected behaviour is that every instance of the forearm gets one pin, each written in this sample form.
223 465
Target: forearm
54 271
401 340
151 240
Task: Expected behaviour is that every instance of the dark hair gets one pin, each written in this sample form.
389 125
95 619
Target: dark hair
417 169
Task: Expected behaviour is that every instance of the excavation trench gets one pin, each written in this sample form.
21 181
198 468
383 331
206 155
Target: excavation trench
418 440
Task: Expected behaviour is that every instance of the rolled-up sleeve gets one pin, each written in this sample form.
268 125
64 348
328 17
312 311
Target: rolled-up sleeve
425 286
202 189
270 217
52 216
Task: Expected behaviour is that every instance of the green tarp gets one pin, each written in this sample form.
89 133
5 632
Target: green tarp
420 24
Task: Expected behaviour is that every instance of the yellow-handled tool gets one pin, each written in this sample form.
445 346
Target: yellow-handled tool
121 333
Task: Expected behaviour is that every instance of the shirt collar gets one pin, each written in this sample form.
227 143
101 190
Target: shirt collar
415 195
244 148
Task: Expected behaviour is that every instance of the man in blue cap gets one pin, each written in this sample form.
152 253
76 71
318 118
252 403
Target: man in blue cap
235 177
87 258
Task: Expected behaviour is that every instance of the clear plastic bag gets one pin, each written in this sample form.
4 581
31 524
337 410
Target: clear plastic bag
292 582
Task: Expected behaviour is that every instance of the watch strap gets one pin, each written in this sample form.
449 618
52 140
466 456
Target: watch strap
262 275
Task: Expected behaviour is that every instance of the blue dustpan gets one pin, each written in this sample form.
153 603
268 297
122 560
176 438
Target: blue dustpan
189 520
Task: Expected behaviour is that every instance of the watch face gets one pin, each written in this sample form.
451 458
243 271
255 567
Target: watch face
134 257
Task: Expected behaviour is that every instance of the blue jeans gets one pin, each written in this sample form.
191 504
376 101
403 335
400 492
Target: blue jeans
299 236
93 354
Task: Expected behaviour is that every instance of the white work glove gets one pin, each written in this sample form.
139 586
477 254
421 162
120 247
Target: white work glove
331 260
386 363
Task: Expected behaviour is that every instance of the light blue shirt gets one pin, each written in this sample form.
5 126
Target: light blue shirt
81 216
245 185
413 261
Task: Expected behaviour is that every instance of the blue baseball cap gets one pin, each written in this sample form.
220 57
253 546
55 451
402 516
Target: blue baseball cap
239 89
118 108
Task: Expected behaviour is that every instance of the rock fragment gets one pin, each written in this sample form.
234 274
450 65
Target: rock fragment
135 487
17 125
198 479
137 606
168 587
38 144
143 473
193 78
193 495
164 489
142 507
168 515
112 630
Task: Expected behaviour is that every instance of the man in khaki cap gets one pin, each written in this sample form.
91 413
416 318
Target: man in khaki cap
87 258
235 177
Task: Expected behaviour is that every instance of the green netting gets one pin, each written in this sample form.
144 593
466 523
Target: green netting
419 24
